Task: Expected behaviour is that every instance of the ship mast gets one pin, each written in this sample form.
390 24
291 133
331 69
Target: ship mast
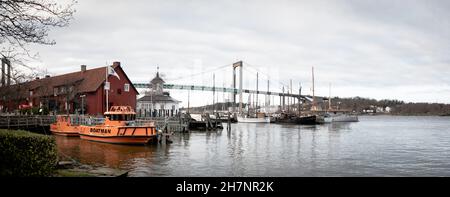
314 97
299 99
329 98
257 93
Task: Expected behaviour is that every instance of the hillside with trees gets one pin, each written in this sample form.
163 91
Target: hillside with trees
363 106
394 107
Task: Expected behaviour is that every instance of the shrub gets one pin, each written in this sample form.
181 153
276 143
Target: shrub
23 153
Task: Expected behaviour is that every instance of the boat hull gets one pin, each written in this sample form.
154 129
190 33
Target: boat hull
254 120
118 135
340 118
308 120
65 130
303 120
119 139
66 133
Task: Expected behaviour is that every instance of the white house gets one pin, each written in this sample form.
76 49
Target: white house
388 110
156 102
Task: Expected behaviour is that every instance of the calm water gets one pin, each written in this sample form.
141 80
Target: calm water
375 146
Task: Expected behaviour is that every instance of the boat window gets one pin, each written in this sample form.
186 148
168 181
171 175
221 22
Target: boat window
121 117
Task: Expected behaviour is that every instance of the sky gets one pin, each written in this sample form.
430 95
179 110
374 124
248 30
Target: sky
385 49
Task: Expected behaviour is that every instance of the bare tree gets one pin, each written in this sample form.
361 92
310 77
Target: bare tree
24 22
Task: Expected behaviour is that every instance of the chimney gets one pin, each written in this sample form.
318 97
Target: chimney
37 78
47 76
83 68
116 63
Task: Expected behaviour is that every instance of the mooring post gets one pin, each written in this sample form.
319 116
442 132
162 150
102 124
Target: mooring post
229 122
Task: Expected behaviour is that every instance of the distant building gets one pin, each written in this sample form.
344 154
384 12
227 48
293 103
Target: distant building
157 102
380 110
388 110
71 92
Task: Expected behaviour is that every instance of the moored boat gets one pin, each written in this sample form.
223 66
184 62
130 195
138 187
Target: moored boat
339 116
260 118
308 120
296 119
119 127
65 126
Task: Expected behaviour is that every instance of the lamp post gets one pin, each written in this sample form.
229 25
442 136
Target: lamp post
82 104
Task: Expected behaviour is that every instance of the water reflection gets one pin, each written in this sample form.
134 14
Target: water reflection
96 153
340 126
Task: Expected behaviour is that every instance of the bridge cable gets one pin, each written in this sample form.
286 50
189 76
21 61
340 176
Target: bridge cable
200 73
257 70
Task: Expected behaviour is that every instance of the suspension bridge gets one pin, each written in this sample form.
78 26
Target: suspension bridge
225 89
237 90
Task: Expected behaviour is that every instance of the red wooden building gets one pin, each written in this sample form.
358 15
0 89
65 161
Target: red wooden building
77 92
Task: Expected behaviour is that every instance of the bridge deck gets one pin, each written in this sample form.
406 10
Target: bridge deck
218 89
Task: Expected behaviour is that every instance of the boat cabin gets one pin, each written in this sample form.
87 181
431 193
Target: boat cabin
120 114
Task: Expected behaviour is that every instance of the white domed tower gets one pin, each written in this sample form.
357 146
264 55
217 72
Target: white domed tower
157 102
156 84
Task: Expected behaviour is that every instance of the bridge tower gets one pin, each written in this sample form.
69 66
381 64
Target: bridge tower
6 76
235 65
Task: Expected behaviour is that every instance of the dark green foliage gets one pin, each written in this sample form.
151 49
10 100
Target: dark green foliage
23 153
35 110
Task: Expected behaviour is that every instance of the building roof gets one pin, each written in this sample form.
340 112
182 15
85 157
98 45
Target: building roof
158 98
86 81
157 79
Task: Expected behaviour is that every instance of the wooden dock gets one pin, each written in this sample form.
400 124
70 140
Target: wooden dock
173 124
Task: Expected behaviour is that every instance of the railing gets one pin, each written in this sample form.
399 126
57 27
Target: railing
172 123
26 121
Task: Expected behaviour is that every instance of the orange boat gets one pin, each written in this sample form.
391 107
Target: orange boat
119 127
64 126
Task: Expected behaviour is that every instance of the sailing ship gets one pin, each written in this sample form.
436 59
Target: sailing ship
253 115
